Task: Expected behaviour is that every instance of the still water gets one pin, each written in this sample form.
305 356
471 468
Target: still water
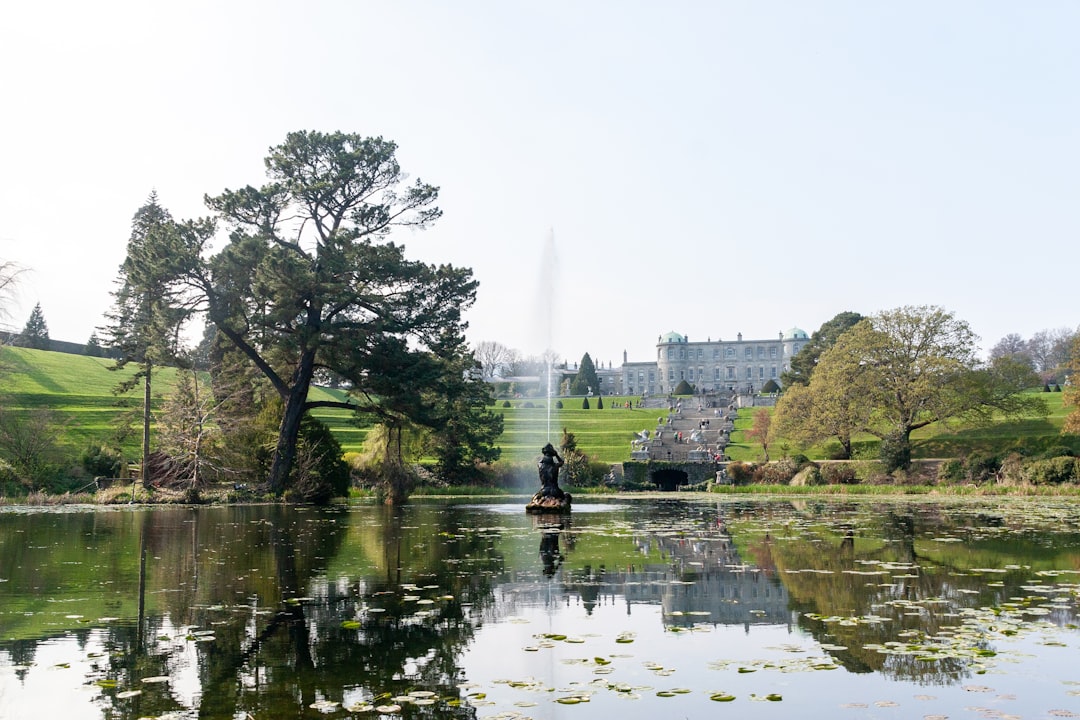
645 608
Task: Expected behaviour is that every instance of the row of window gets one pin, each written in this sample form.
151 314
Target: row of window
773 352
729 373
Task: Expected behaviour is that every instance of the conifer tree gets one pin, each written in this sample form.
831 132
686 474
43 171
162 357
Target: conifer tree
36 333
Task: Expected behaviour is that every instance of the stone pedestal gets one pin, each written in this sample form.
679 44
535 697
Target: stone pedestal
541 504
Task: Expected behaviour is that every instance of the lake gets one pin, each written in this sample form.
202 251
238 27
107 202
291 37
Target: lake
648 607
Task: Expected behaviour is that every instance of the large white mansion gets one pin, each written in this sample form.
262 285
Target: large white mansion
740 365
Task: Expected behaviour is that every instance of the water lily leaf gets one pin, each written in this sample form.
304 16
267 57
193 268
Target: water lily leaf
722 697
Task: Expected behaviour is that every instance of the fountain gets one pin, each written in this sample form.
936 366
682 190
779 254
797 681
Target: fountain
550 498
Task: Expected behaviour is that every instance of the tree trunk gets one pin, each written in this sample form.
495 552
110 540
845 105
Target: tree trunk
146 428
289 430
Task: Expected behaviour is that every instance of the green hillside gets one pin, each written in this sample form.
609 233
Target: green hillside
79 391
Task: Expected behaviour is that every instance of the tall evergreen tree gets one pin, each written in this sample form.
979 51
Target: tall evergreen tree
149 308
586 378
36 333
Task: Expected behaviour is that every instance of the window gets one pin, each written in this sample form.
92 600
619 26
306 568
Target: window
761 372
772 353
691 378
730 372
700 353
772 374
671 375
729 353
749 373
641 376
652 377
716 354
761 352
716 373
682 353
670 353
749 353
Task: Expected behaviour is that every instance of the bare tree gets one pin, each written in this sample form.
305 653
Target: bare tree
9 280
1014 346
1049 349
494 358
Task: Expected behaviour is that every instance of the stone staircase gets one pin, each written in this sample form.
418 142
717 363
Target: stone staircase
694 429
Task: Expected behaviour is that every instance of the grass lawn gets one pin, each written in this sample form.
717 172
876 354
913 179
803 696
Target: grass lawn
79 390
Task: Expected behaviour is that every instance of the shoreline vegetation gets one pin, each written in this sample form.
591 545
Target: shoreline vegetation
144 498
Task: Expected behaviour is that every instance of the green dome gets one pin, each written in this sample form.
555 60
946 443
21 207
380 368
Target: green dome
796 334
672 337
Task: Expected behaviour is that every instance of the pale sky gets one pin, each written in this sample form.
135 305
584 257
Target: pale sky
709 167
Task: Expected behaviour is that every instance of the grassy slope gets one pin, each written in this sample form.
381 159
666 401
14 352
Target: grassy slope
80 391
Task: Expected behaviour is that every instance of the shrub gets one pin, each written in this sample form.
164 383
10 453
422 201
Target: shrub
1057 451
558 404
1012 468
101 461
740 473
585 404
1051 472
952 471
894 453
981 468
809 475
775 473
506 404
800 460
684 388
839 474
527 404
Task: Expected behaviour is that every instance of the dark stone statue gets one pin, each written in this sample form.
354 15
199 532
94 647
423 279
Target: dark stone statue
551 498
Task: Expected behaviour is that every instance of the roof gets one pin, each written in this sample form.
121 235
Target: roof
796 334
672 337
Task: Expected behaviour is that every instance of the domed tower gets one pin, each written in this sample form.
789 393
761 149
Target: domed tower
671 360
794 340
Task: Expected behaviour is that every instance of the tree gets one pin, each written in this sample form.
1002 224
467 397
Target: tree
820 411
35 333
1049 350
9 280
463 427
906 368
1071 395
585 380
1012 345
494 358
759 431
93 346
150 305
804 361
309 281
186 432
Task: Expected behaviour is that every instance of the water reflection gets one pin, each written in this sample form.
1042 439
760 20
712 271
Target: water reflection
423 610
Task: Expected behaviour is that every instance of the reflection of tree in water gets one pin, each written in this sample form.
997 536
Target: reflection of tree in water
858 580
324 641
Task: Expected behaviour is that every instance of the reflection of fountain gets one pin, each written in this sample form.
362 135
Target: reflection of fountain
551 527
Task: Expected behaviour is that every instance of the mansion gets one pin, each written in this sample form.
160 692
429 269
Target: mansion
738 365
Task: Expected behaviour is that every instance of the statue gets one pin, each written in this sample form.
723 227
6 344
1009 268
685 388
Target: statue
551 498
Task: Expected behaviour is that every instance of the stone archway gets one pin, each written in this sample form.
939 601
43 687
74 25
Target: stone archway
669 479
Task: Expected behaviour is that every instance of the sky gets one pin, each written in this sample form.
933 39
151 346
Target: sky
610 170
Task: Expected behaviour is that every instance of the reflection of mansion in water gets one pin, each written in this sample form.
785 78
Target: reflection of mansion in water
740 365
700 581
